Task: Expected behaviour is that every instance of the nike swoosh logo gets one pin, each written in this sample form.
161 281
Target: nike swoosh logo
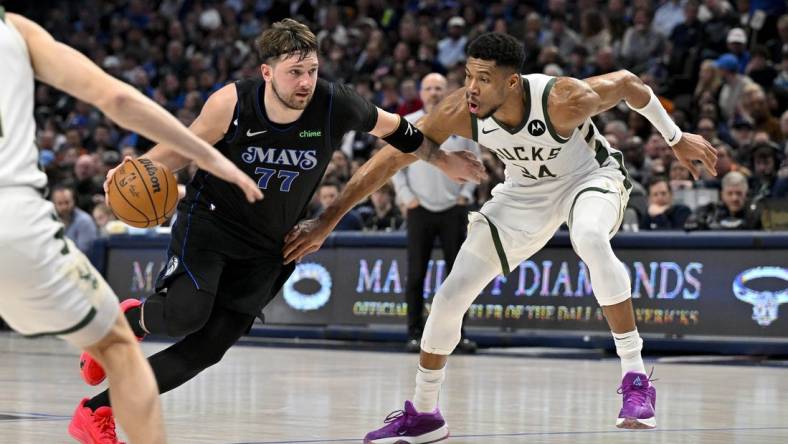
484 130
249 133
673 136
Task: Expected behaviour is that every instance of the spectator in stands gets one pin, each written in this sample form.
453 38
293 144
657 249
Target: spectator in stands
760 68
737 45
667 16
662 213
731 213
451 50
87 185
635 160
742 134
709 84
560 36
756 107
327 194
680 178
80 227
102 215
641 44
595 35
766 158
383 214
718 17
733 89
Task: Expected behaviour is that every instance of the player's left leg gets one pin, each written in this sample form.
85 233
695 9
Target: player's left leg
185 359
595 215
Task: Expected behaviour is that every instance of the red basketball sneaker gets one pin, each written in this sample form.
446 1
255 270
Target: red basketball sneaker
89 427
89 368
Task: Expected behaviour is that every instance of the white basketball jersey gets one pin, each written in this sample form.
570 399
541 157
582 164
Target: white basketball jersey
535 155
18 150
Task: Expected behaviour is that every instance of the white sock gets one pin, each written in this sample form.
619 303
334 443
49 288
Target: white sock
428 386
628 346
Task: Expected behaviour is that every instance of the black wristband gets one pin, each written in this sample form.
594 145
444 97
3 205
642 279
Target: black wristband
406 138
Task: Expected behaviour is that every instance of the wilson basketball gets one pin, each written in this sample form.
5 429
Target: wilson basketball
143 193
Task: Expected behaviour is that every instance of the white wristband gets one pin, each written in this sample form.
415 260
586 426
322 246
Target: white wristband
656 114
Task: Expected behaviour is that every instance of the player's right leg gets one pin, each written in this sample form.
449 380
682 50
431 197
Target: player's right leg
134 391
48 287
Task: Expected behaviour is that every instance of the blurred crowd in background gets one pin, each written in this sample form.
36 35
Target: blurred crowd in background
719 68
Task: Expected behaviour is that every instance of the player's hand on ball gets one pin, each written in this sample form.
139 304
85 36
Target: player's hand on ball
223 168
692 148
305 238
462 166
111 173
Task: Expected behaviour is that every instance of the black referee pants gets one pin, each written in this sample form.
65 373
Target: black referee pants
423 227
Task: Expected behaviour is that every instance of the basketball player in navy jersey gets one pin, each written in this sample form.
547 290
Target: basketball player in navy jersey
225 258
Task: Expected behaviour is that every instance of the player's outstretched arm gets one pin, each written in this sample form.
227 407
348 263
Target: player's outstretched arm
423 140
572 101
308 236
67 69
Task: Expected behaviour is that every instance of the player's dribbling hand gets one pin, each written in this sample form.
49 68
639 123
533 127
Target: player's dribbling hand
305 238
111 173
693 147
223 168
462 166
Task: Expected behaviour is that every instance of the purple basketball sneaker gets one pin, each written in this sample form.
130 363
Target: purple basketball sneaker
408 426
640 401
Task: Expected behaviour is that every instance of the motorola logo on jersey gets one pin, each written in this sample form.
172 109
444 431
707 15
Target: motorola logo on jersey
303 301
764 302
304 159
536 128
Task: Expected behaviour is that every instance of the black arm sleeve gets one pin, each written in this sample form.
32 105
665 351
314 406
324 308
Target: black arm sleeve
351 112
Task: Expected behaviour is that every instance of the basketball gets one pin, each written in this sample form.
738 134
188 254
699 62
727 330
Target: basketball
143 193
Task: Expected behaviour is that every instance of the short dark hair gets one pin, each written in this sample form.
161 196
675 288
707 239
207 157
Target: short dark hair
287 37
500 48
656 180
331 183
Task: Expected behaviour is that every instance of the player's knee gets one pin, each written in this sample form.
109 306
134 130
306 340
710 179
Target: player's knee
114 348
444 324
589 238
189 318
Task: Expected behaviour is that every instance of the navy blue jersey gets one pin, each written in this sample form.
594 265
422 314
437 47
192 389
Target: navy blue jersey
287 161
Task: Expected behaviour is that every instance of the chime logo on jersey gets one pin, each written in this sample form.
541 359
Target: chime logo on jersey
304 159
536 128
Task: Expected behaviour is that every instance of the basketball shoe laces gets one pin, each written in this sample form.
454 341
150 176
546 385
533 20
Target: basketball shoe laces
397 415
106 427
637 393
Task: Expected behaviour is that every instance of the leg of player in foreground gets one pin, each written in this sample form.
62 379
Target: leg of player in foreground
133 389
48 287
33 52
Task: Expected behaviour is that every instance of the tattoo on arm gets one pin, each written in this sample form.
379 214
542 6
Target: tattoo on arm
427 151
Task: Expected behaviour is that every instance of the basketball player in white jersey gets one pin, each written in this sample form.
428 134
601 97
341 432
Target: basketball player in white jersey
558 169
47 287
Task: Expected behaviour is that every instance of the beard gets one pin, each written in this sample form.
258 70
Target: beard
488 114
292 101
